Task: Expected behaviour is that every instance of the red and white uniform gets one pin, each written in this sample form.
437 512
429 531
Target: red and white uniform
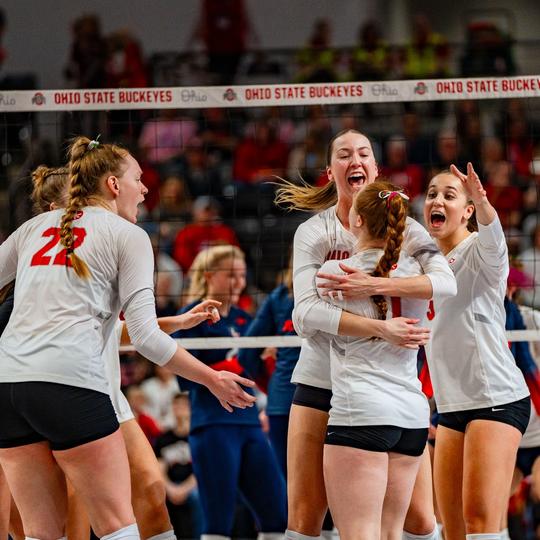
374 382
60 322
321 238
470 363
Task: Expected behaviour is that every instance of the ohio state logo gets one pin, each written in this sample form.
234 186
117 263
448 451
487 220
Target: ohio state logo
421 89
230 95
38 99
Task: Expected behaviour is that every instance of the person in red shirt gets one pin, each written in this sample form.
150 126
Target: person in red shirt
260 157
205 230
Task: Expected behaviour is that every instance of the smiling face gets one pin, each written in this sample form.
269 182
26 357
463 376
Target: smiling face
227 281
352 164
131 190
447 209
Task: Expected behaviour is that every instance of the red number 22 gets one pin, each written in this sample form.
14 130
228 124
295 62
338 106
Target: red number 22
40 258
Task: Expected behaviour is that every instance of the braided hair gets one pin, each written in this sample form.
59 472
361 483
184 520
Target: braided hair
384 213
89 162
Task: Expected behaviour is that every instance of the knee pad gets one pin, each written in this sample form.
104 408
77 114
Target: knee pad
131 532
167 535
293 535
433 535
484 536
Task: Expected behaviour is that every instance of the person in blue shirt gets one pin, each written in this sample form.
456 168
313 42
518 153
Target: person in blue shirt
275 318
230 451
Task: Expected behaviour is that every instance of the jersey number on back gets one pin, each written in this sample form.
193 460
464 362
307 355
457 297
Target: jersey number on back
41 258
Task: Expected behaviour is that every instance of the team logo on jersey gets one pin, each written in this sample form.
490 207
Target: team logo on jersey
452 260
337 255
240 321
394 266
78 215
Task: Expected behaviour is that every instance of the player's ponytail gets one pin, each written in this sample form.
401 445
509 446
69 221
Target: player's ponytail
89 162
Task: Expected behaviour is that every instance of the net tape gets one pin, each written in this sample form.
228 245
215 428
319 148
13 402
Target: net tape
526 86
261 342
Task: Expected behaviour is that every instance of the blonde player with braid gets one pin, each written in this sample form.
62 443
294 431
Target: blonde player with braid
76 269
379 416
148 489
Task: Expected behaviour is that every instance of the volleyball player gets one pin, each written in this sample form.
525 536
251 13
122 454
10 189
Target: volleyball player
482 399
350 166
148 490
379 419
76 268
230 453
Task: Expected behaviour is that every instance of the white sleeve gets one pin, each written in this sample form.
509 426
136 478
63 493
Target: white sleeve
310 313
8 259
418 244
492 246
136 291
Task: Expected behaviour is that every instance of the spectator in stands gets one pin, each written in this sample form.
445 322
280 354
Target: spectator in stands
399 172
173 452
205 230
225 29
418 145
307 160
137 402
162 140
427 53
217 134
125 66
530 258
519 144
88 55
317 60
492 154
203 177
174 200
158 392
488 52
504 195
371 56
260 156
3 24
446 153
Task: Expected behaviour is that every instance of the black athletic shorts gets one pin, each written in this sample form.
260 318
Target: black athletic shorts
515 414
526 458
313 397
410 442
65 416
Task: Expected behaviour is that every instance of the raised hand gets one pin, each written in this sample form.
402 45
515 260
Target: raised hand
471 183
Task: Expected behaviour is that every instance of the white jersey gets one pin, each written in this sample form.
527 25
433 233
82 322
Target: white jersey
322 238
60 322
470 363
373 381
111 354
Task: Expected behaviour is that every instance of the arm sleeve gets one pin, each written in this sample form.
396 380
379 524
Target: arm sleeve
310 313
492 244
8 259
262 325
419 245
136 291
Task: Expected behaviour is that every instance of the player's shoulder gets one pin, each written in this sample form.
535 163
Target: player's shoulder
319 225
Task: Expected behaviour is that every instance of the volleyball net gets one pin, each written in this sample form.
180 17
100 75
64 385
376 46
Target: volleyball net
219 150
